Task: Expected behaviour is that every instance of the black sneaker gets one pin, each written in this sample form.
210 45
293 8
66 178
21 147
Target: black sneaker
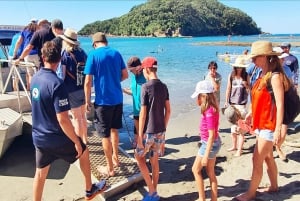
97 188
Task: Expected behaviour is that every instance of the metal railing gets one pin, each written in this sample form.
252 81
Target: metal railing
14 71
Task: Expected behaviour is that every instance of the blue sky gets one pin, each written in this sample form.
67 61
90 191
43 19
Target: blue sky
274 16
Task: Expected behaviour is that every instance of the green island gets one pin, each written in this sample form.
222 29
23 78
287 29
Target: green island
177 18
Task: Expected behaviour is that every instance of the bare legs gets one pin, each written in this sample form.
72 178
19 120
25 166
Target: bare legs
79 122
111 151
263 152
197 167
150 182
237 143
41 175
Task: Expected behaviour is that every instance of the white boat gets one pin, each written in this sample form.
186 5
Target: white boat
227 57
12 103
11 124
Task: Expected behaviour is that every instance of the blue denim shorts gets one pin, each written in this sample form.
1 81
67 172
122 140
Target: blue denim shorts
214 150
265 134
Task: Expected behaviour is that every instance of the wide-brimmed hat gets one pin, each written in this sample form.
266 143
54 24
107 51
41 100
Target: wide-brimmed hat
261 48
70 36
203 87
99 37
241 61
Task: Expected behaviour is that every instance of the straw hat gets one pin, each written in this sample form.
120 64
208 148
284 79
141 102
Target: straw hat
259 48
241 61
70 36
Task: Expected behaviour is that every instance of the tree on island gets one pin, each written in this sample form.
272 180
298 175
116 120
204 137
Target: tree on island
185 18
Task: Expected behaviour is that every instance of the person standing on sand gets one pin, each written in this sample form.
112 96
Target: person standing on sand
155 114
237 96
134 65
53 134
210 140
215 78
266 119
106 68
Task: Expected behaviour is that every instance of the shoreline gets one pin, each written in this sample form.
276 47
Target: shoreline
65 182
244 44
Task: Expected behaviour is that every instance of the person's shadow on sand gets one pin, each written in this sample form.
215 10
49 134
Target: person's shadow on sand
19 159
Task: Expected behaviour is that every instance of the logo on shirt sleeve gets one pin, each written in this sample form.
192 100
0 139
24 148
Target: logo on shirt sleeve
35 94
63 102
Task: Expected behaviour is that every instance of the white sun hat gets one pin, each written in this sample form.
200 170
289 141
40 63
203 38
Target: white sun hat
241 61
203 87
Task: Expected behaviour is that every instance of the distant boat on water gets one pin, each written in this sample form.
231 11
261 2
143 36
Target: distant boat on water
227 57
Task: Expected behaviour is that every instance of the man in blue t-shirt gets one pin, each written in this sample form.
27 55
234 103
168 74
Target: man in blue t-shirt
53 134
105 66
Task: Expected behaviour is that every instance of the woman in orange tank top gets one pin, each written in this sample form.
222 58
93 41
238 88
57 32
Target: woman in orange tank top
266 116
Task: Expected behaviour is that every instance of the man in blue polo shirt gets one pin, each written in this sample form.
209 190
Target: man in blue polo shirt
53 134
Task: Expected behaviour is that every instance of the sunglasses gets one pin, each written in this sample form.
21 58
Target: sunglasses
212 68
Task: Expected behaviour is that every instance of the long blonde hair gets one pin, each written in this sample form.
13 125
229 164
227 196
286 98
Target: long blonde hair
69 47
209 100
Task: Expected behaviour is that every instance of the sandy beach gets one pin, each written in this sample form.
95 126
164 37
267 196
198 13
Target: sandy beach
65 183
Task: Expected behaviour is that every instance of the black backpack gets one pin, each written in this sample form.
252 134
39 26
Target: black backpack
80 76
291 103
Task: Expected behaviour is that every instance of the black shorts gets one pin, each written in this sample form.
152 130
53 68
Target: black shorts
77 98
67 152
108 117
135 131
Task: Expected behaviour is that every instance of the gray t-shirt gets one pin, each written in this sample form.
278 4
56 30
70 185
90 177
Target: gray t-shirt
218 79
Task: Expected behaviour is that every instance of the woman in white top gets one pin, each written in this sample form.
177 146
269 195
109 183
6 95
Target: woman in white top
237 96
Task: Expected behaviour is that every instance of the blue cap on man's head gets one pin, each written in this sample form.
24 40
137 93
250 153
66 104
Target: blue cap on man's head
285 44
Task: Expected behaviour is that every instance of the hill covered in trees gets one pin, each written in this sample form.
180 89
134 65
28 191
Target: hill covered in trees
177 18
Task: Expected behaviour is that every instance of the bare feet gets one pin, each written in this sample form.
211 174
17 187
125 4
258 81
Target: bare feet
280 153
238 153
232 149
267 189
104 171
116 162
244 197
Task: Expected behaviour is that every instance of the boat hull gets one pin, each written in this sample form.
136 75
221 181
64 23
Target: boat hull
11 124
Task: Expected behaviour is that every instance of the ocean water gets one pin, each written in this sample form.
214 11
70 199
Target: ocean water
182 63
